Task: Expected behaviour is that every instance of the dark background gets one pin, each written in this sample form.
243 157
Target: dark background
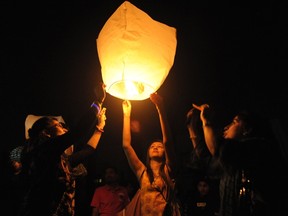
228 57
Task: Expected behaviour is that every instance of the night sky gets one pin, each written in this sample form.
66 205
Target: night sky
227 57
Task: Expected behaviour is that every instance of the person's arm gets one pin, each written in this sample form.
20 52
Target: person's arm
95 138
84 130
166 132
209 132
192 120
96 128
134 162
88 149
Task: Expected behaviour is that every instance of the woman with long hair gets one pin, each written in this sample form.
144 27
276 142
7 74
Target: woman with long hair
156 177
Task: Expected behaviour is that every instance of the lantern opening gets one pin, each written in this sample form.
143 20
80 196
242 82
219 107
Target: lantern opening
130 90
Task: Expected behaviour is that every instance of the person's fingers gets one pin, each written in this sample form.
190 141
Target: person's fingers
201 107
196 107
126 103
204 106
103 111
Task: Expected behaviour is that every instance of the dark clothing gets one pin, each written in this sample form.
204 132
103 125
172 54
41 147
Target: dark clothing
250 158
15 189
202 206
200 164
48 179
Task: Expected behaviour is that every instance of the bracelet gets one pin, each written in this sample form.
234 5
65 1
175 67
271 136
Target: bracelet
99 129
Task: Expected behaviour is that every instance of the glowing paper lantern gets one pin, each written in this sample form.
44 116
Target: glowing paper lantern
136 53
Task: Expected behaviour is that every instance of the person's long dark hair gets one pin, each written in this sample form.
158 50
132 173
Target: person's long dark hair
149 170
34 142
35 132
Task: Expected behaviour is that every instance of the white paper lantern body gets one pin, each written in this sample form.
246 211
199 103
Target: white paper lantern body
136 53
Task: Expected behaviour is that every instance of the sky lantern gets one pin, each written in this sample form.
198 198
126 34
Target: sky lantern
136 53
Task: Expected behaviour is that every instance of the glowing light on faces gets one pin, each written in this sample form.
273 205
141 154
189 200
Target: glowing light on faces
234 129
156 147
30 119
58 124
58 128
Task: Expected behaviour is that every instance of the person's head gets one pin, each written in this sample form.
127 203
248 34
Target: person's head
156 151
47 126
245 124
111 176
203 186
15 159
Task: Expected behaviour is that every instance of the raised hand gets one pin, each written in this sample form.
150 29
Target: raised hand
126 105
101 119
192 117
200 107
156 99
203 112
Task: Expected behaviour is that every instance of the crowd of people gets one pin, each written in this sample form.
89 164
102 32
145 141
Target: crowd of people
232 170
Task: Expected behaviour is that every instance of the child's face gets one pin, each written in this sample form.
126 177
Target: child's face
203 187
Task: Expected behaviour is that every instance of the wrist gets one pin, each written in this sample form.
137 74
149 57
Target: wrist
100 129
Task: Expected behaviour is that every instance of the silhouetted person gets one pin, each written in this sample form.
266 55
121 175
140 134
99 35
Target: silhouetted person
53 166
243 152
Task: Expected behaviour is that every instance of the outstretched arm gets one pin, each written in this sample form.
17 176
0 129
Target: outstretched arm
134 162
100 94
97 128
95 138
209 132
166 132
192 120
